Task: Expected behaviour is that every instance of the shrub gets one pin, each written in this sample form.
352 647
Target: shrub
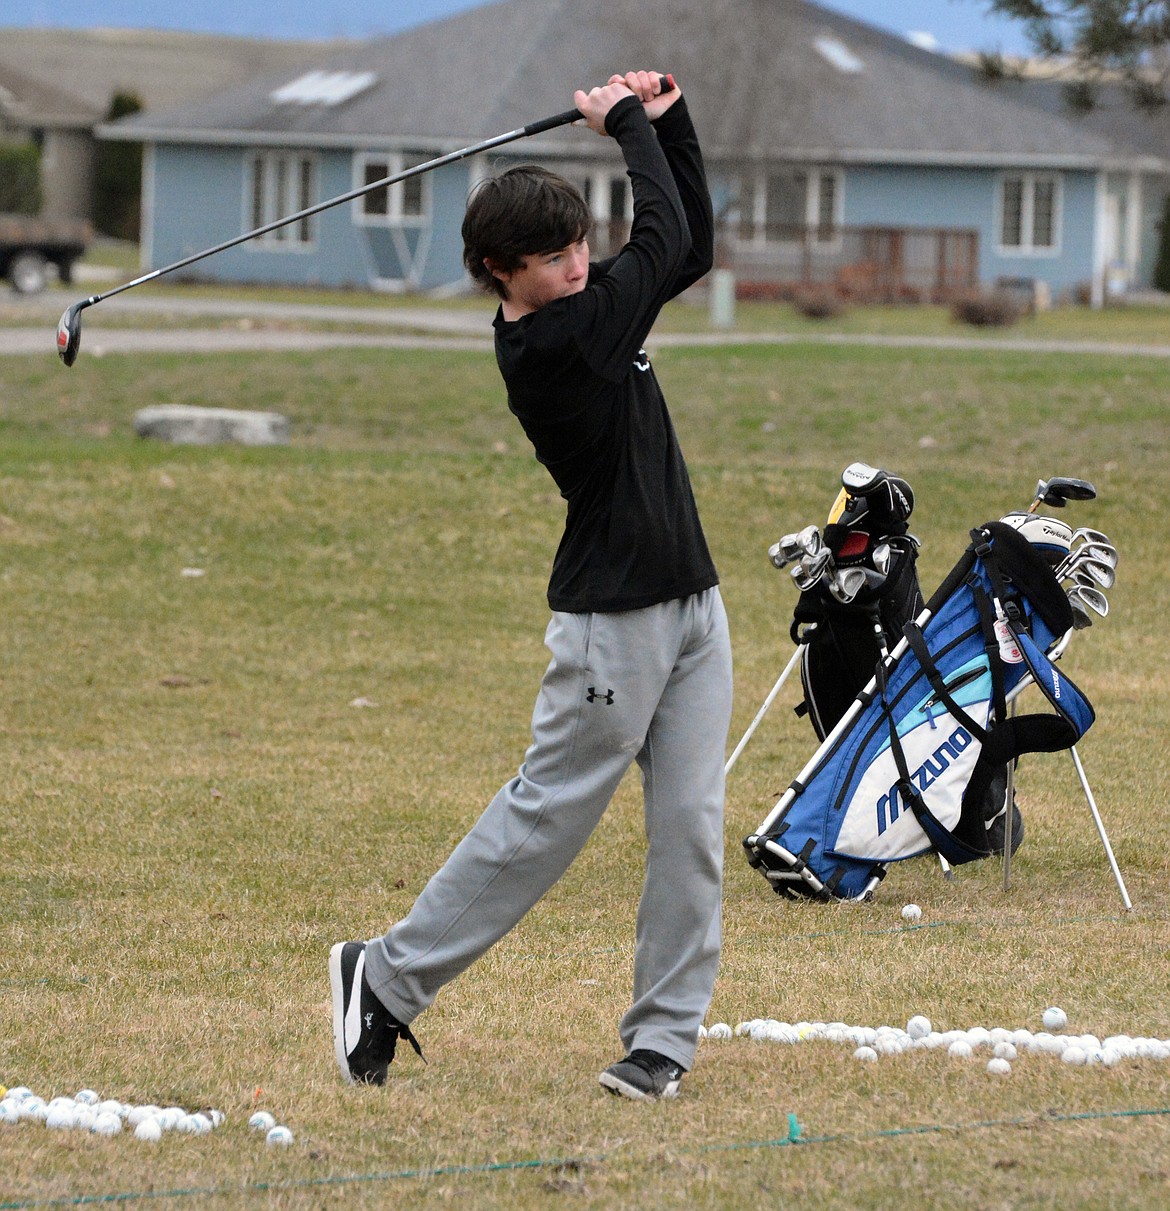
20 178
996 308
818 303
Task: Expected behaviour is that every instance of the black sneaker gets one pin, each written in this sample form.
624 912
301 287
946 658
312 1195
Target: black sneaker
644 1076
365 1033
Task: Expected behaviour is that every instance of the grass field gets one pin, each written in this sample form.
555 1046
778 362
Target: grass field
195 809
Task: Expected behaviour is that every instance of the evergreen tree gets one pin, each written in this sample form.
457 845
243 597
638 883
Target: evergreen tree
1161 276
118 177
1123 40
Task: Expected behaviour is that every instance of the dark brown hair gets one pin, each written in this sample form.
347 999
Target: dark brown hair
522 212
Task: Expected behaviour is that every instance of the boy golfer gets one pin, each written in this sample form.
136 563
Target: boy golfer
641 660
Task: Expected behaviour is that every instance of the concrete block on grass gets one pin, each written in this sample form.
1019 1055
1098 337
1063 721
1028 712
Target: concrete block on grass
186 425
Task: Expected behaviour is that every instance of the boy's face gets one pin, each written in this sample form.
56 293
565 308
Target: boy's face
543 277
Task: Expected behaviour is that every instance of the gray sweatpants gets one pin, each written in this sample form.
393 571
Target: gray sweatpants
650 685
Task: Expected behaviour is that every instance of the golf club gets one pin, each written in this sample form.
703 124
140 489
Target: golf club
1100 553
69 325
809 540
848 582
1086 595
811 568
784 552
1082 619
1085 534
1091 571
1059 490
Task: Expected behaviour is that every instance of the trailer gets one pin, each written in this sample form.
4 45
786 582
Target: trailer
29 245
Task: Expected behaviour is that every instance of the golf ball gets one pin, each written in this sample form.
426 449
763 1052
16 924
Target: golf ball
1074 1056
960 1049
148 1129
720 1030
87 1097
999 1067
279 1136
262 1121
9 1111
1055 1018
911 912
918 1027
107 1123
865 1053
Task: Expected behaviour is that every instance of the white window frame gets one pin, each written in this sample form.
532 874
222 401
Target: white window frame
264 170
756 201
396 214
1027 246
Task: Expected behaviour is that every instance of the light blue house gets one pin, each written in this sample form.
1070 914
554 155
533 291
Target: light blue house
837 153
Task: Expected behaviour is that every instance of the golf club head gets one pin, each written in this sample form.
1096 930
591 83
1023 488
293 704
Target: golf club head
809 540
69 332
808 572
1082 619
784 552
1095 573
1086 595
1102 552
846 583
1086 534
1048 535
1059 490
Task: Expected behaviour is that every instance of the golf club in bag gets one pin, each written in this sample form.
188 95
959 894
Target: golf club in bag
69 325
909 767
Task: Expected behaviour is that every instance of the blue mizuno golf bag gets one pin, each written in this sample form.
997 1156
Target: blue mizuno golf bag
907 769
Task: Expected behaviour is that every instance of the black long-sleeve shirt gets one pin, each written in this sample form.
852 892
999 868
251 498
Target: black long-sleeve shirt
582 387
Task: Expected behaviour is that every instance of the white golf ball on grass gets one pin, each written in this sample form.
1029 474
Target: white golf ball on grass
279 1137
262 1121
1054 1018
911 913
998 1066
148 1129
919 1026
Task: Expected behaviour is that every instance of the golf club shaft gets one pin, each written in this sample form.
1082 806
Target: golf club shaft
417 170
522 132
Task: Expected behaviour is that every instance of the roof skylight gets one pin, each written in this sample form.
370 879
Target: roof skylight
323 88
838 54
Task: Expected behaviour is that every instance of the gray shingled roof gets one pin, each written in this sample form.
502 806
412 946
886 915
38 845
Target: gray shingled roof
25 101
162 67
754 79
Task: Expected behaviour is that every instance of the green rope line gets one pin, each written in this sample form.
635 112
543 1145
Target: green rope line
794 1137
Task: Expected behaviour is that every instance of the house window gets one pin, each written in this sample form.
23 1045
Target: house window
1029 213
404 202
284 182
778 206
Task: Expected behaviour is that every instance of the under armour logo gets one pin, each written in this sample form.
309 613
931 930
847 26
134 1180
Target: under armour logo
594 696
642 361
369 1021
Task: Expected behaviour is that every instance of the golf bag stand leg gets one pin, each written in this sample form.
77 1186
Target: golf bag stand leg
755 723
1009 814
1100 828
